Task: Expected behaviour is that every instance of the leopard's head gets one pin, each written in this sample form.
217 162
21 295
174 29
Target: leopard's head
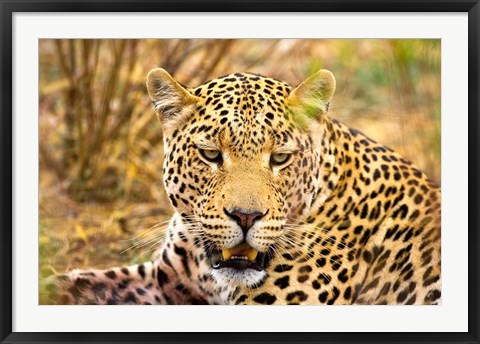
242 162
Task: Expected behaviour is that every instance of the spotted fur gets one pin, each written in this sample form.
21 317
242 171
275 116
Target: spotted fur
345 220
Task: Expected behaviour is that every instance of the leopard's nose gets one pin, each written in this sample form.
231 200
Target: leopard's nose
245 219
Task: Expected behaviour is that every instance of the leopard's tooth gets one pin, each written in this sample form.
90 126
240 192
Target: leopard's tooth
252 254
227 254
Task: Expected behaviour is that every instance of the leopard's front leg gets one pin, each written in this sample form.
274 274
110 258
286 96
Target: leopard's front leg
147 283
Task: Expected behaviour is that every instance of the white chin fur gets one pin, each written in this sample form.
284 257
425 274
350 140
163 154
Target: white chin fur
240 278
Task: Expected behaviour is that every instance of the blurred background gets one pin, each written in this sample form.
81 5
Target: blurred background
101 145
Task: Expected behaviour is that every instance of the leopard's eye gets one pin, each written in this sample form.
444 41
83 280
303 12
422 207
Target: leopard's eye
279 158
211 155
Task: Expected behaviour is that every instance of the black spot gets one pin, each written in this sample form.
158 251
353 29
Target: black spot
141 271
325 278
282 282
408 235
344 225
358 229
124 284
402 295
241 299
396 285
432 296
371 285
302 278
323 297
172 199
325 252
82 282
417 173
283 268
400 212
415 215
427 273
180 251
265 298
288 256
342 276
367 256
385 289
331 210
348 293
391 232
364 212
321 262
365 237
141 291
297 294
336 294
130 298
411 300
305 268
111 274
431 280
335 261
98 287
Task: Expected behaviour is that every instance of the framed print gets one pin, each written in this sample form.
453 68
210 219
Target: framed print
302 172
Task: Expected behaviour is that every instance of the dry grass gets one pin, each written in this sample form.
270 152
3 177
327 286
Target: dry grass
101 147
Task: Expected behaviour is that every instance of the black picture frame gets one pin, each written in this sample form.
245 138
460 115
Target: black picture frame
9 7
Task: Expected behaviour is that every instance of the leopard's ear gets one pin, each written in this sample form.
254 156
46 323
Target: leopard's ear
169 98
312 97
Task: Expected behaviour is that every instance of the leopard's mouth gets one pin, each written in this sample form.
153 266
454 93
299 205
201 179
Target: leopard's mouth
240 257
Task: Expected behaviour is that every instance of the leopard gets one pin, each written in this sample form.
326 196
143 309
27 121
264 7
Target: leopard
275 203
